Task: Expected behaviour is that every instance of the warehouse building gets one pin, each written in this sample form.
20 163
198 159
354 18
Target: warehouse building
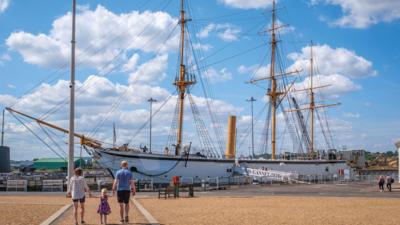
59 164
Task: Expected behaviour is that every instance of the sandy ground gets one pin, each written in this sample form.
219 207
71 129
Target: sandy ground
275 210
28 210
92 217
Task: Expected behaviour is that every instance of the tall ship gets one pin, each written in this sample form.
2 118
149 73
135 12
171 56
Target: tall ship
180 158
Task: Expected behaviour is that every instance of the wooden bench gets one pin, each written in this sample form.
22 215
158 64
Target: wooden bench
167 192
52 185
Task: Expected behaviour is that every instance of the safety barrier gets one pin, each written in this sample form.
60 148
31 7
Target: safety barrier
53 185
17 185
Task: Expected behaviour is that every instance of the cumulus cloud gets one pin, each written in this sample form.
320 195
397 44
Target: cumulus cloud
7 99
283 27
4 58
335 69
217 76
203 47
333 61
335 85
364 13
151 71
352 115
247 4
254 71
101 36
95 99
4 5
225 31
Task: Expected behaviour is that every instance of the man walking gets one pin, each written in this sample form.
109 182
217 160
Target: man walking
124 185
389 181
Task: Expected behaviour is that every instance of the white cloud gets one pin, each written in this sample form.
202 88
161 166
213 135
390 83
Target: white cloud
131 64
336 85
229 34
4 58
215 76
255 71
352 115
11 86
95 99
364 13
101 36
367 104
4 5
283 28
203 47
7 100
151 71
333 61
225 31
205 32
247 4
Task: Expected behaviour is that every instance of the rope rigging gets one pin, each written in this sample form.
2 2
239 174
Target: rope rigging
205 139
38 137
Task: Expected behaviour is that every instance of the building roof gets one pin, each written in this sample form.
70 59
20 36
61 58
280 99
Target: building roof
55 160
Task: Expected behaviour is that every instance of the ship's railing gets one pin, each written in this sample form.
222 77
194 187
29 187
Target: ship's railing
272 175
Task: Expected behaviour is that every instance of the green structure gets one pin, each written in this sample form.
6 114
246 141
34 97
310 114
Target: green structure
58 163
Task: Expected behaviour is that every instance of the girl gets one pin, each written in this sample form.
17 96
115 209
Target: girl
104 208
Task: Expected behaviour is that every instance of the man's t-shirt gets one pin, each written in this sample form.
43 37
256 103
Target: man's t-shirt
124 177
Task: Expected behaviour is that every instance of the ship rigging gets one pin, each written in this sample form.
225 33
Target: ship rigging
210 160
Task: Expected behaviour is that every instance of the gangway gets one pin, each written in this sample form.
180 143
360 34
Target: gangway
269 175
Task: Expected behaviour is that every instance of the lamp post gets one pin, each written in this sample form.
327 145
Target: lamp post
398 159
72 99
151 100
2 130
251 100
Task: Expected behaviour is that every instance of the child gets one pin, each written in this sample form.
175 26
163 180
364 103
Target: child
104 208
76 190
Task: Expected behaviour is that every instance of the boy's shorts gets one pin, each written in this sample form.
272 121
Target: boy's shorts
81 200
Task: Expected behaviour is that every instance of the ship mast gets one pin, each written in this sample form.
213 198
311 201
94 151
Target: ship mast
273 93
312 101
311 105
72 100
182 83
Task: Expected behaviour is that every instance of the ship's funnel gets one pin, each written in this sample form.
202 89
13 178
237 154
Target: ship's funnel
231 138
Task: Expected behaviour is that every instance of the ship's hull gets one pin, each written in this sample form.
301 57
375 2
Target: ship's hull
161 168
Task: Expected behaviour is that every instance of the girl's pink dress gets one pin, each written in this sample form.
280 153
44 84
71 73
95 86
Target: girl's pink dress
104 207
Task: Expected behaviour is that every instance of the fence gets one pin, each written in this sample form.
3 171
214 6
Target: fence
17 185
337 179
53 185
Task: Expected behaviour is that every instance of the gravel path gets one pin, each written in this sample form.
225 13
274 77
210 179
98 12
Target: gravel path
28 210
92 217
275 210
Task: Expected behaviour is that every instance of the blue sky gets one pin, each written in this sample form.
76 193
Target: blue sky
356 51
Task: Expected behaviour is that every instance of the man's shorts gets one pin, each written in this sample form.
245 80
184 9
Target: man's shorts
123 196
81 200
